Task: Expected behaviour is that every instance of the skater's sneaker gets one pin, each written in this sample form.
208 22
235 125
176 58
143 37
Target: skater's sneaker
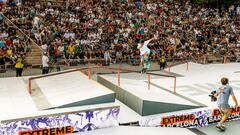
218 126
221 127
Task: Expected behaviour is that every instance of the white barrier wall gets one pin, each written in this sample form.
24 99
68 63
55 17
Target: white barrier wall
194 119
63 123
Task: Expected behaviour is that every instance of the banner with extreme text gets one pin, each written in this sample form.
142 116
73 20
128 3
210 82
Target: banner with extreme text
199 118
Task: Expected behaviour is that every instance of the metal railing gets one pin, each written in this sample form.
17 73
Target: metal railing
90 72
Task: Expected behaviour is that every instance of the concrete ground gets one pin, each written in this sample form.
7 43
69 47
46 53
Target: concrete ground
232 128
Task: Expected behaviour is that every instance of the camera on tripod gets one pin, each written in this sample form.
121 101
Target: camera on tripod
213 98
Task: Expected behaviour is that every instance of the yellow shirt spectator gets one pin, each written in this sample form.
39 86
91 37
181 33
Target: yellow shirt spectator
71 48
19 63
9 52
162 60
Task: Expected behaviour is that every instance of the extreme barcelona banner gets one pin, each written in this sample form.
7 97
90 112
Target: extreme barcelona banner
199 118
62 123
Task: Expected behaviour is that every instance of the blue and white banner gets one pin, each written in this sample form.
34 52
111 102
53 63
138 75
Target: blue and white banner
200 118
63 124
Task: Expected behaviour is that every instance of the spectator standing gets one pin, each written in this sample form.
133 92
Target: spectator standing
45 63
162 62
19 65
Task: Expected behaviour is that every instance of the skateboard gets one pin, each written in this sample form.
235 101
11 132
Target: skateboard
144 71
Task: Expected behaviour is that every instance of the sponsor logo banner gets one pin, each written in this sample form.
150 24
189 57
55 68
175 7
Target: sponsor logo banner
63 123
199 118
49 131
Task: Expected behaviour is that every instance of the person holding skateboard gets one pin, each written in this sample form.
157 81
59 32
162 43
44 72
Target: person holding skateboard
223 93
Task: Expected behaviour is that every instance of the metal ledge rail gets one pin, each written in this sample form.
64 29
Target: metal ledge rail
89 74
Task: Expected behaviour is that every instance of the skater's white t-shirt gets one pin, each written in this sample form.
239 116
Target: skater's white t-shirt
144 48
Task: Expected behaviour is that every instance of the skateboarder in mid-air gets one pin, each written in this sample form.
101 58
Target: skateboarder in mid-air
145 52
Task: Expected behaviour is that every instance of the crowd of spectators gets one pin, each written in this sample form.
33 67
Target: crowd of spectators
92 28
12 44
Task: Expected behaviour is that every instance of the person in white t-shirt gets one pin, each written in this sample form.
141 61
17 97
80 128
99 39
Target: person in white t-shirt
36 22
44 47
45 63
61 51
144 50
107 57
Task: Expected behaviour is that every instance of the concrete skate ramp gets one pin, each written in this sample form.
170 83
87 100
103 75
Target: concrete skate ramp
15 99
133 92
72 89
199 80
